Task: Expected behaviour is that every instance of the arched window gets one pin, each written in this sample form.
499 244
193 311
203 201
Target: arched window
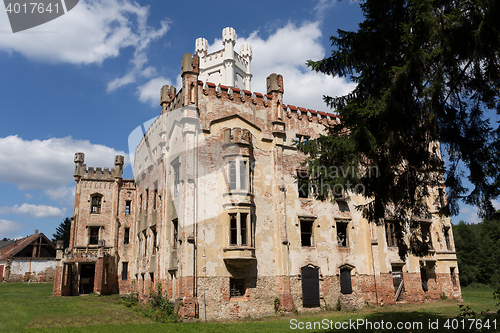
95 208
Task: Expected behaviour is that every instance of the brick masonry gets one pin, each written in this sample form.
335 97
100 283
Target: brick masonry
197 227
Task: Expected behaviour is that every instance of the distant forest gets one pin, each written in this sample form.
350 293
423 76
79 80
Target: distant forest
478 252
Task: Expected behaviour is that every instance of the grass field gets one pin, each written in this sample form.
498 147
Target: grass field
31 308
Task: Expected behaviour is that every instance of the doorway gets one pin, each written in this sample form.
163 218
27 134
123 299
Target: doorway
87 273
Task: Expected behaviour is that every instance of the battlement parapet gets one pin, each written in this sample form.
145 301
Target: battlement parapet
82 172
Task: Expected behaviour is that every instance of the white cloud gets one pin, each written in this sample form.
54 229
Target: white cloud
285 52
66 194
150 92
469 214
38 211
95 30
48 164
8 228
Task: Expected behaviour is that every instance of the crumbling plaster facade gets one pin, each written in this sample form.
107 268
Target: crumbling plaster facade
216 217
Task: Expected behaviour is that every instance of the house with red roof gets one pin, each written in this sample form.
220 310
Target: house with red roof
29 258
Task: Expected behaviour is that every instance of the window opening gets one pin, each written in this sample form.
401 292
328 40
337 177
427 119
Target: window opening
306 232
126 236
125 271
390 234
237 287
94 236
96 204
345 281
127 207
342 234
303 183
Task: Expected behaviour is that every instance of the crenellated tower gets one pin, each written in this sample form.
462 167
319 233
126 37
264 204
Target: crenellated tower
225 66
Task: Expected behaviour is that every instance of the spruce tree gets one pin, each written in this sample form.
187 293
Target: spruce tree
425 73
63 232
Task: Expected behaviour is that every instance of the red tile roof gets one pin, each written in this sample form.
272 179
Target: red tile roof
18 245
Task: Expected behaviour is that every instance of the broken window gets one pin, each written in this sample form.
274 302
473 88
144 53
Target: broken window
145 238
175 232
390 234
423 277
447 238
153 232
397 280
125 271
239 228
237 287
140 203
453 275
155 194
127 207
147 200
310 286
299 138
126 236
306 232
342 239
425 229
96 204
94 235
176 170
303 183
345 281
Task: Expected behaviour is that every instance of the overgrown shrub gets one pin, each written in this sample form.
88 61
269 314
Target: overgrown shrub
159 307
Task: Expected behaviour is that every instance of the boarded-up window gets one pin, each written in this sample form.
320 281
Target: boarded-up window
345 281
310 286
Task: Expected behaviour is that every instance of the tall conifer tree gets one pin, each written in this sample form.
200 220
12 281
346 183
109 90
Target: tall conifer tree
425 72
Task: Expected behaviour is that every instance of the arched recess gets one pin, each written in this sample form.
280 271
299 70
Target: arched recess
310 286
345 278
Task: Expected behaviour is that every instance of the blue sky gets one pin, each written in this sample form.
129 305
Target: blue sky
85 80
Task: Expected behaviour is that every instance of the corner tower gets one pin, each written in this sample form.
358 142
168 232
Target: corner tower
225 66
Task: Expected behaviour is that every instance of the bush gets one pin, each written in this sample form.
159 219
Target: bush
159 307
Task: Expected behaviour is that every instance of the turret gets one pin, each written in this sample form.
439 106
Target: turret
167 95
119 166
79 166
201 47
189 73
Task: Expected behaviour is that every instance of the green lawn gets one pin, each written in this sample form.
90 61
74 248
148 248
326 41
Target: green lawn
31 308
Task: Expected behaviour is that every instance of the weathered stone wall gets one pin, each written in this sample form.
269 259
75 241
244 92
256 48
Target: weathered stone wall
40 270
